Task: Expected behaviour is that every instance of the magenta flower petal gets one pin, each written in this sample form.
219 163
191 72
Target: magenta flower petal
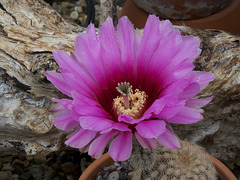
151 144
149 42
79 86
88 54
175 89
156 107
121 147
186 116
89 122
80 138
168 112
148 45
56 108
65 121
111 59
187 52
65 117
87 107
117 126
85 148
169 139
62 105
127 119
87 51
69 65
81 99
126 83
121 127
171 38
58 82
178 73
128 43
151 128
190 91
198 103
97 147
203 78
87 110
66 103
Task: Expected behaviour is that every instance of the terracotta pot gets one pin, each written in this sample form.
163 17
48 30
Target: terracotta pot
97 165
182 9
90 173
226 19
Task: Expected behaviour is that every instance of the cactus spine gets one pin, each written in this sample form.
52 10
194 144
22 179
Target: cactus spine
190 162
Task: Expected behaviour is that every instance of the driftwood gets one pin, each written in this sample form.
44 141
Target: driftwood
31 29
108 8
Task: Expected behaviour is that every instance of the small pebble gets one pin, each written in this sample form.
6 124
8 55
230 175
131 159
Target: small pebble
113 176
110 168
68 167
78 9
39 159
70 177
61 174
84 164
6 175
55 5
56 166
65 11
116 164
7 167
18 162
15 176
36 170
25 176
21 157
49 173
64 4
30 158
119 168
1 163
99 177
74 15
79 2
8 159
62 156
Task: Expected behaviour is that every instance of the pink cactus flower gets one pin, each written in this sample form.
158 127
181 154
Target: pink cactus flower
128 84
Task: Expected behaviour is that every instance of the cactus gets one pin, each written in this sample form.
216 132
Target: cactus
189 162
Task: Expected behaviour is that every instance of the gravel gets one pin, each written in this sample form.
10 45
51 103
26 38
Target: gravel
117 171
76 10
62 165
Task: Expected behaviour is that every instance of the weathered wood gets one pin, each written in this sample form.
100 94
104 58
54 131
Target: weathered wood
219 132
31 29
108 9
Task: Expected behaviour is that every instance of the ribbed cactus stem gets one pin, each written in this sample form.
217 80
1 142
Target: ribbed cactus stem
189 162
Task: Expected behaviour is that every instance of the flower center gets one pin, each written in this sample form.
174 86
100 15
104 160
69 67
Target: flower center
130 103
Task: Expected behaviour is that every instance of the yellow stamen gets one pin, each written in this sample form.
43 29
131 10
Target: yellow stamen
137 104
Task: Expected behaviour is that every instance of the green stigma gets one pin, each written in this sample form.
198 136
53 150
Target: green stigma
124 88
